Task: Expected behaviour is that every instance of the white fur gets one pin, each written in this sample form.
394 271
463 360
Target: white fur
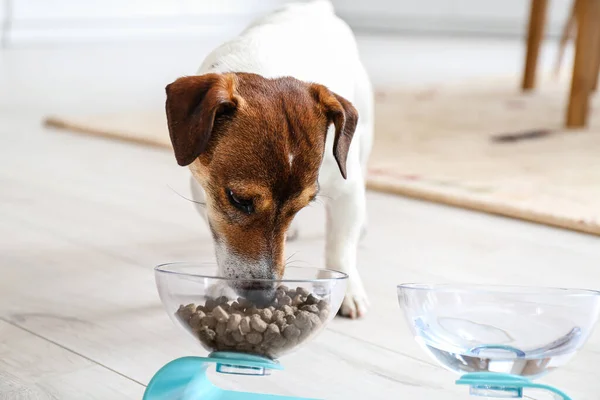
309 42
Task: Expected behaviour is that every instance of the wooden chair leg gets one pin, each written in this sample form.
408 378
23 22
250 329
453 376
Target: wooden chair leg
584 68
596 62
537 20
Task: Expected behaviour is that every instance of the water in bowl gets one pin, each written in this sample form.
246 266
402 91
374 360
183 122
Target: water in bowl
512 345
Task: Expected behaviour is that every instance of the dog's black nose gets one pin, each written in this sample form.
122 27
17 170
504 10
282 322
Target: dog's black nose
259 293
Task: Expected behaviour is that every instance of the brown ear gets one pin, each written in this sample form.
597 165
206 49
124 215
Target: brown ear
192 105
344 117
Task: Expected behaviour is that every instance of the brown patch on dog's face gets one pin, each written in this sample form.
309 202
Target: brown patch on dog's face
260 164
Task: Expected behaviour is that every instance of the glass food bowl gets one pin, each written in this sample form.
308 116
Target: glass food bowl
257 317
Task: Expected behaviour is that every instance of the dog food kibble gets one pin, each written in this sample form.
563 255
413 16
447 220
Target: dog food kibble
298 300
245 325
254 338
209 322
221 329
311 308
266 315
285 301
287 310
239 325
195 320
233 323
220 314
257 323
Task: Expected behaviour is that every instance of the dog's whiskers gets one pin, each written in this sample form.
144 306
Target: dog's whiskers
288 259
290 263
185 198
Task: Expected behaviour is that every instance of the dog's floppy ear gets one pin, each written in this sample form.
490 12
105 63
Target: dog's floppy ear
192 104
344 117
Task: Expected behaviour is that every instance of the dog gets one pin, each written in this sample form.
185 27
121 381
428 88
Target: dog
279 114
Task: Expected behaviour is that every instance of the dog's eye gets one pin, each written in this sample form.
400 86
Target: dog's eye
244 205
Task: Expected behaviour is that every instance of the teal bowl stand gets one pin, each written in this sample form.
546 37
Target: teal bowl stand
491 384
186 379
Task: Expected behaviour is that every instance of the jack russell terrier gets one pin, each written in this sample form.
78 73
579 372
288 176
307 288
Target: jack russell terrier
274 116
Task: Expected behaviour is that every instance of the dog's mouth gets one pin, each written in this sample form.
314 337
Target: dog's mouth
260 293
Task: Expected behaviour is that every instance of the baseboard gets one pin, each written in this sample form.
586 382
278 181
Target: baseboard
452 26
34 32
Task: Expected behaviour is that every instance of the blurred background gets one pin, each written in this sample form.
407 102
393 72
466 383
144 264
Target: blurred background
64 42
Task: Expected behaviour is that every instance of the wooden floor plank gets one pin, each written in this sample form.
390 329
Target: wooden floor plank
34 368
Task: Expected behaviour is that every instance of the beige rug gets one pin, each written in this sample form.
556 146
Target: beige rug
440 144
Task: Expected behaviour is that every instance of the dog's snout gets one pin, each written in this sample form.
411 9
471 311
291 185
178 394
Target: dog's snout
253 278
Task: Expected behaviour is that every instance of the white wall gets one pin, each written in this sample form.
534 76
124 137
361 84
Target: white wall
3 20
35 21
43 21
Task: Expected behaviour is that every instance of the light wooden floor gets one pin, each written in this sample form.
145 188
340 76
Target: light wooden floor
83 221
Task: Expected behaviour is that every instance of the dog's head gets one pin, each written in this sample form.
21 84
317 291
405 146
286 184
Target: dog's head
256 146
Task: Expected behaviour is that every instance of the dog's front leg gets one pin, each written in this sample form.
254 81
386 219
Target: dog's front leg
346 214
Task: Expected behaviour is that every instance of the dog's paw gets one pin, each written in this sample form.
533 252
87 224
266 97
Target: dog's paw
354 306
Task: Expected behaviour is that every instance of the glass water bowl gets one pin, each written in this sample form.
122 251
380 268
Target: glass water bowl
525 331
